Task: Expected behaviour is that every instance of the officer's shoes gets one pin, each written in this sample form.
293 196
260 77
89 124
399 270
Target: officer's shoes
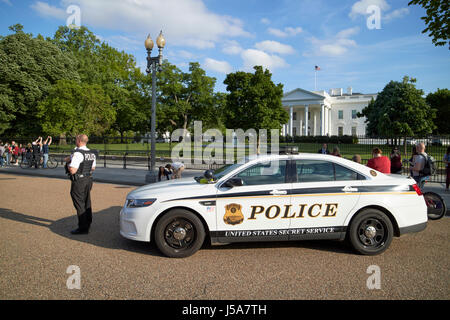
79 231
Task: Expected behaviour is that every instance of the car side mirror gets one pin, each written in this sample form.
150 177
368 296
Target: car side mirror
234 182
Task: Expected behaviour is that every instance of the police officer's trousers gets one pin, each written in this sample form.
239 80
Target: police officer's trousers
80 191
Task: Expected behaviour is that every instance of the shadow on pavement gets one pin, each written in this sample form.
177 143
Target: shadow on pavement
105 233
104 230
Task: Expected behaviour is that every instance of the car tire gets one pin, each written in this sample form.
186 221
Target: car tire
371 232
179 233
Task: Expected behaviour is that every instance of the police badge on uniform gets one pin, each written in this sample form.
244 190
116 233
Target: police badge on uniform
233 214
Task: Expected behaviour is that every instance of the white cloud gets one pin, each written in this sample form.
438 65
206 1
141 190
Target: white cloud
398 13
360 7
7 2
275 47
187 22
46 10
334 46
287 32
265 21
218 66
253 57
231 47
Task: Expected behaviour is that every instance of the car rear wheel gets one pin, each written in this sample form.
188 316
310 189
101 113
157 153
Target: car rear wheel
179 233
371 232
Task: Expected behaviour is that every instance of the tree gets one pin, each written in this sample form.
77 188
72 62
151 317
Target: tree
115 71
437 19
440 100
399 111
28 67
254 101
185 96
72 108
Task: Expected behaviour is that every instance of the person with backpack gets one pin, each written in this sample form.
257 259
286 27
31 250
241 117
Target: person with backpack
422 165
447 168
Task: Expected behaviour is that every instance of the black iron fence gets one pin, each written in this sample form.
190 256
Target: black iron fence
134 152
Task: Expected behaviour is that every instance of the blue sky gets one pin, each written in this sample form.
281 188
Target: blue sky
289 37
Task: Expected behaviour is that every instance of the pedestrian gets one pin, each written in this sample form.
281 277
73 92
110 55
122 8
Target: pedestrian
80 166
45 150
379 162
324 149
177 168
411 160
419 161
356 158
396 161
8 154
14 153
2 152
36 145
164 172
28 152
22 152
447 168
336 152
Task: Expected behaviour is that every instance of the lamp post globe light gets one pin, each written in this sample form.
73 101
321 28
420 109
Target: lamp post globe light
153 65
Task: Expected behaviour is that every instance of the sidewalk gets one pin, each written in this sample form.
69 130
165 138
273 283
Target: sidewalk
136 177
132 177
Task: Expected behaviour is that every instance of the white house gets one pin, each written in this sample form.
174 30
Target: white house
332 113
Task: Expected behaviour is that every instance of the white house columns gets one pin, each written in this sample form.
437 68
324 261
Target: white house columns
306 119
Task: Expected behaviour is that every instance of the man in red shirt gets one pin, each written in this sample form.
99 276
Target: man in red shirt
379 162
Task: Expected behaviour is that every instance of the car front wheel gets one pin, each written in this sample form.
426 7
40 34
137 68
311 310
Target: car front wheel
179 233
371 232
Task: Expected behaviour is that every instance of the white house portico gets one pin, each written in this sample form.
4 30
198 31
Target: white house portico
321 113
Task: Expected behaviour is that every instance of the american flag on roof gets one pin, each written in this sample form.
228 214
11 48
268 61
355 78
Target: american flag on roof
317 68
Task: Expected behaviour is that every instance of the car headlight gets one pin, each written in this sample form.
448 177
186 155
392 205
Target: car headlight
139 203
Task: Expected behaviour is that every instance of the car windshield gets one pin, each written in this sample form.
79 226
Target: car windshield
223 171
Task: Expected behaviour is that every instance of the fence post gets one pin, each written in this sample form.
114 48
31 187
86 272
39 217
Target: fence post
104 159
125 160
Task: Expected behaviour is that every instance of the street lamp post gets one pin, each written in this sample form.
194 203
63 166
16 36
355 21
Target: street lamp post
153 63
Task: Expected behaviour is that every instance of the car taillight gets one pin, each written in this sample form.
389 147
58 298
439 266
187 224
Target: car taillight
418 191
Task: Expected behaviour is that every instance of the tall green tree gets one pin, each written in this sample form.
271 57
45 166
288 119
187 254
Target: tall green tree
254 101
72 107
440 100
185 97
437 20
399 111
115 71
29 66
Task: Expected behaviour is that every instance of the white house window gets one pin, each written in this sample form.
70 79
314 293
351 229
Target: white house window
294 131
294 116
353 131
340 131
354 112
340 114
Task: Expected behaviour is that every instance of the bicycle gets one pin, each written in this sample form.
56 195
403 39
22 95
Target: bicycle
436 207
30 162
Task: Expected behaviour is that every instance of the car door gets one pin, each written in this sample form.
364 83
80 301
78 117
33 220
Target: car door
255 210
324 194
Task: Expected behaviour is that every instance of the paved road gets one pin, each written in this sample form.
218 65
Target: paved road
36 248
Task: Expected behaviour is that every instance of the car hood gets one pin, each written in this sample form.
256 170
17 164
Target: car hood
170 189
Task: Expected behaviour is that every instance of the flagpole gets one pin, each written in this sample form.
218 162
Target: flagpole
315 79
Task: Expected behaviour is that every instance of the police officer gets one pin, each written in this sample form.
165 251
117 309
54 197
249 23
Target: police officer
80 166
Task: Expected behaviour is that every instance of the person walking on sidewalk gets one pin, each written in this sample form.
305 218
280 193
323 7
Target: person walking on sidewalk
447 168
2 151
80 166
45 150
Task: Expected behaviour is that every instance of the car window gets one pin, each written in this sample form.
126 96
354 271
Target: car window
343 173
318 170
313 170
273 172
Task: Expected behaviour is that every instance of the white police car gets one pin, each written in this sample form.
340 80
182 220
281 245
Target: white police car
273 198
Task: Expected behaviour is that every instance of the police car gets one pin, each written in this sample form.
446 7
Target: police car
274 198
